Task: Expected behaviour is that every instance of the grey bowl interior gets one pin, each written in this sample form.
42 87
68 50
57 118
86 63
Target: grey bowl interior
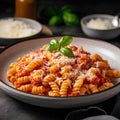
96 33
33 24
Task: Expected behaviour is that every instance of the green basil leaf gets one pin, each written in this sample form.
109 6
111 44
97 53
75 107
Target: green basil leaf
65 40
71 19
48 47
55 20
54 45
67 52
54 42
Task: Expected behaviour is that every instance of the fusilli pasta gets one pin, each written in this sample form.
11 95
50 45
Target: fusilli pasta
47 73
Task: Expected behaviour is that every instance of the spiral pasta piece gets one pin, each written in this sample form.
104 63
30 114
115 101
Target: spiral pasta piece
34 64
64 87
76 87
84 89
48 55
96 57
93 88
54 68
55 88
67 75
48 78
38 75
38 90
113 73
12 79
105 86
21 81
25 88
12 71
51 93
66 69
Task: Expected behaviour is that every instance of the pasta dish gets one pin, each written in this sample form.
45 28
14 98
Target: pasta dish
50 73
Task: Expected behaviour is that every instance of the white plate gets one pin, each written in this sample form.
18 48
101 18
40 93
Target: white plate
10 54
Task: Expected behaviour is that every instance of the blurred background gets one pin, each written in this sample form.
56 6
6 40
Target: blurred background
47 9
82 7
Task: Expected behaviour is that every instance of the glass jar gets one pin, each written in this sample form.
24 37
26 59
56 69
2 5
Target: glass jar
26 8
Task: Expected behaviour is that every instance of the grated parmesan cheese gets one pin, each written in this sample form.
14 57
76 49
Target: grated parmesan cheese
11 28
63 60
99 24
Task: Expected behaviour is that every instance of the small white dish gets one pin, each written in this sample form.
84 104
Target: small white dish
33 24
105 34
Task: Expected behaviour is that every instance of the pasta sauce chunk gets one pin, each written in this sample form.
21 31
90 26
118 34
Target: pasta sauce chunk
47 73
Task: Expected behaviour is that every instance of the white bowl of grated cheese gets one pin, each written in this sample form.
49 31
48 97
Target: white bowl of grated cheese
99 26
17 29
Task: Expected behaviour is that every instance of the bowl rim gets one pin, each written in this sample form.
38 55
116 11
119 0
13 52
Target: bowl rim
24 20
88 17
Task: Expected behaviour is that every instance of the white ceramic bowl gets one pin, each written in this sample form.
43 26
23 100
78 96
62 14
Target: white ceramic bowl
10 54
105 34
31 23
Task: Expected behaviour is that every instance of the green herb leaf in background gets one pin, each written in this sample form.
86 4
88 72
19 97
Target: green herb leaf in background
55 20
56 15
70 19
